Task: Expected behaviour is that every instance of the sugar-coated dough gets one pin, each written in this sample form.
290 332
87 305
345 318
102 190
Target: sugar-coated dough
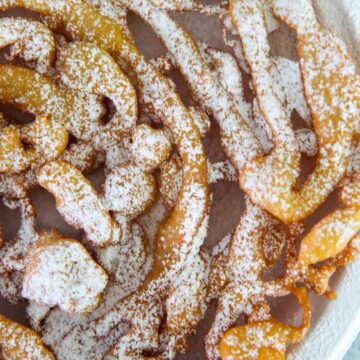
62 273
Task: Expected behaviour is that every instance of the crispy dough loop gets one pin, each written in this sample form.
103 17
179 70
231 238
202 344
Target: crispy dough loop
47 141
79 203
333 100
35 93
85 67
266 339
13 156
34 42
47 138
29 39
18 342
332 239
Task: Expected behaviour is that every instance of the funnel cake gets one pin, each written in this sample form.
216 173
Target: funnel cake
142 277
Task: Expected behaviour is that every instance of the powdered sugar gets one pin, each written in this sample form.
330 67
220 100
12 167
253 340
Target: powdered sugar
29 39
150 147
62 273
129 190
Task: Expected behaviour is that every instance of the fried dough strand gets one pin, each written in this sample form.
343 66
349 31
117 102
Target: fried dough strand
332 89
78 202
18 343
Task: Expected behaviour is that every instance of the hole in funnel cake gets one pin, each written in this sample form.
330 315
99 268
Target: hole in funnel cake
110 110
330 205
97 179
9 221
282 43
15 116
145 37
227 206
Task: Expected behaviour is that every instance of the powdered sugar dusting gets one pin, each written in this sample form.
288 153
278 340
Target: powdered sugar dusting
160 281
31 40
61 272
21 343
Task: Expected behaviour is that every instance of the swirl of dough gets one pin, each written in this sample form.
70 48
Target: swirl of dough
29 39
35 93
47 138
334 102
85 67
